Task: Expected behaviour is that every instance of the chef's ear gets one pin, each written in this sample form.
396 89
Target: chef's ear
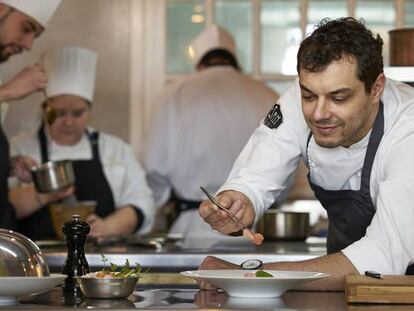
378 87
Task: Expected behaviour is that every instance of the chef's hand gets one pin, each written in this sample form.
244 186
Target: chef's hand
20 167
99 227
213 263
219 220
30 79
46 198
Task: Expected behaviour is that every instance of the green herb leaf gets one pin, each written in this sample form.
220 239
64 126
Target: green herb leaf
263 274
125 271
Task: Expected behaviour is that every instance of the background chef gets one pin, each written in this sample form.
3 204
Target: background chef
21 22
354 128
200 128
105 167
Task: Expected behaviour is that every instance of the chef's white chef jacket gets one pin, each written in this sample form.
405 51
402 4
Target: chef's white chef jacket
123 172
199 130
272 155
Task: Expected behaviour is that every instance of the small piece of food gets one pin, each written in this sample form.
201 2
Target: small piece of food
257 238
249 275
263 274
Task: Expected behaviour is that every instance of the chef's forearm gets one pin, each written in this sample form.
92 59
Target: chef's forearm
336 265
122 221
25 201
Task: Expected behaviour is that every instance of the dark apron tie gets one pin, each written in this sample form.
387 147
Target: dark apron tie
90 184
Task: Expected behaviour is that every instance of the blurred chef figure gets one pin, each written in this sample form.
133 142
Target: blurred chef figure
105 167
182 153
21 22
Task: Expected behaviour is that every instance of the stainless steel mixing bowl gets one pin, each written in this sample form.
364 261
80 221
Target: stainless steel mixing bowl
20 256
107 287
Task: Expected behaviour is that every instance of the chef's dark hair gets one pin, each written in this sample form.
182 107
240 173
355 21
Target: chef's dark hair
218 57
334 39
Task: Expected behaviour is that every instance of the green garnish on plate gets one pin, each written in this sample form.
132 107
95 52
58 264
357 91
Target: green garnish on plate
263 274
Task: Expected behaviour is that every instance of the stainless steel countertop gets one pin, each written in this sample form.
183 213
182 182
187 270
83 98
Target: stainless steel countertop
190 299
173 257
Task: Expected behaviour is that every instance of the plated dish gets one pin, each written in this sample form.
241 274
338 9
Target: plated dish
13 287
111 282
237 284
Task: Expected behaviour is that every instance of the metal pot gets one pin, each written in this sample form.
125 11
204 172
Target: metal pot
401 47
284 226
53 176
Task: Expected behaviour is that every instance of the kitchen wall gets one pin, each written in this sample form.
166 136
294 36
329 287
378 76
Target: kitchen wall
101 25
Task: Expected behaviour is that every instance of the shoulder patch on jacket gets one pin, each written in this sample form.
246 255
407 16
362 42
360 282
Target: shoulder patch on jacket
274 118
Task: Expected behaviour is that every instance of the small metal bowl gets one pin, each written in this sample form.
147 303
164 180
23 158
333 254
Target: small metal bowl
107 287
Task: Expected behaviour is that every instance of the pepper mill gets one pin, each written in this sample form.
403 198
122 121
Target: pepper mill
75 264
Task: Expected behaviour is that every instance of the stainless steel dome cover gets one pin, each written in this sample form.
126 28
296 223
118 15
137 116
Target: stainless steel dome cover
20 256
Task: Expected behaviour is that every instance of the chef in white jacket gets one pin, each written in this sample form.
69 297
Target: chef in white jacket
355 130
21 22
105 167
182 153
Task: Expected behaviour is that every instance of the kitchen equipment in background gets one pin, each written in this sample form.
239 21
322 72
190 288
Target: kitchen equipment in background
61 212
53 176
20 256
277 225
402 47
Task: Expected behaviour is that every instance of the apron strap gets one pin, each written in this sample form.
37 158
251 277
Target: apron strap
373 144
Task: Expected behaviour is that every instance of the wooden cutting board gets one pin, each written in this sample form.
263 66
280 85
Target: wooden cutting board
389 289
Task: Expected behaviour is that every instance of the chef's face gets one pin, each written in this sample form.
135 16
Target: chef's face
336 106
72 117
17 32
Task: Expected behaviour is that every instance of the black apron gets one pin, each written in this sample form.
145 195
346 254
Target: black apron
350 211
7 213
90 185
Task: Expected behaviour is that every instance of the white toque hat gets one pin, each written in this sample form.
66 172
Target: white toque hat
40 10
70 71
213 37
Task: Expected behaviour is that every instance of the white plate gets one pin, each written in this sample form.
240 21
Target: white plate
236 284
13 287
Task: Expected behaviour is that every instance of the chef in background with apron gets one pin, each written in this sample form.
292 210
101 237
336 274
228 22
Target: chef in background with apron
354 129
106 169
182 153
21 22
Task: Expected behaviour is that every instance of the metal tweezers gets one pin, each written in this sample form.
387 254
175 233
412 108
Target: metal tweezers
233 217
